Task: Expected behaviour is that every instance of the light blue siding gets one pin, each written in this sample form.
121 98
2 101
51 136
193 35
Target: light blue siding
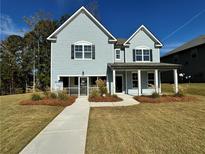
81 28
139 40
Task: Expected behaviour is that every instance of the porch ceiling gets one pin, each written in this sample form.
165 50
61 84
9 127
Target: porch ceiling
150 65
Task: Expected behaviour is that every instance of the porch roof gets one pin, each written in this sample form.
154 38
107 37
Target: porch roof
150 65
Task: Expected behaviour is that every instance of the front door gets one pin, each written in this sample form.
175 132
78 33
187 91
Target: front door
83 86
118 84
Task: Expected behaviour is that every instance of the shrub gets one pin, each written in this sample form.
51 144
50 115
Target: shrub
36 97
53 95
62 95
94 93
155 95
115 96
102 87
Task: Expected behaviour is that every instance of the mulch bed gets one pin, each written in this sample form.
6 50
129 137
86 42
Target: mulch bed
104 99
51 102
165 99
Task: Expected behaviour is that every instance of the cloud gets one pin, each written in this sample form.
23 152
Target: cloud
8 27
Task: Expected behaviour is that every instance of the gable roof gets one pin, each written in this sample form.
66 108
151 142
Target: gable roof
193 43
142 27
82 9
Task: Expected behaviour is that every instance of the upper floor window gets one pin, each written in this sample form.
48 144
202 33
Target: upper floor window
117 54
142 54
83 50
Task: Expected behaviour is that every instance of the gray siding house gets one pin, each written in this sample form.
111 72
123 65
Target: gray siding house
191 56
83 50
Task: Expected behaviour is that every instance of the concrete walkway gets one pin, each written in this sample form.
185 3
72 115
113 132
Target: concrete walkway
66 134
127 101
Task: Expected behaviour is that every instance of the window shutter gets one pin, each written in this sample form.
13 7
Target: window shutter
151 55
133 55
72 51
93 51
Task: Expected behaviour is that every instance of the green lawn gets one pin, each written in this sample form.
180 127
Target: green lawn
20 124
168 128
192 88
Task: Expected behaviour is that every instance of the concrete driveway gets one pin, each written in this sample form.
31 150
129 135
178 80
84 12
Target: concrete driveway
66 134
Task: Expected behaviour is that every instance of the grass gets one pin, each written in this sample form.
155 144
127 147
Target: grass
192 88
149 128
21 123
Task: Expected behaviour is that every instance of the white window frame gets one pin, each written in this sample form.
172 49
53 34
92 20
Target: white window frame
135 80
117 54
142 48
83 43
149 80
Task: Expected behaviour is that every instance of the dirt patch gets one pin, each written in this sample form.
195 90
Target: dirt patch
51 102
165 99
104 99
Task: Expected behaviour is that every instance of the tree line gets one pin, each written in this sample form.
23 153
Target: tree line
25 61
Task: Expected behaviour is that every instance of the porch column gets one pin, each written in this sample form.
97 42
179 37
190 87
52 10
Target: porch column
113 75
107 84
139 82
160 85
176 81
88 85
78 86
126 90
156 79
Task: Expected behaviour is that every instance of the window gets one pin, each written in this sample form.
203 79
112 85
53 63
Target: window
83 50
146 54
138 55
142 55
87 51
150 80
117 54
134 80
78 51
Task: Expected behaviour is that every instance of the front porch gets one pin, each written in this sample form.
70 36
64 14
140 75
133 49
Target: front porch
140 78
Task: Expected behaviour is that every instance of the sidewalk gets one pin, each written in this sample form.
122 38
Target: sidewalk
127 101
66 134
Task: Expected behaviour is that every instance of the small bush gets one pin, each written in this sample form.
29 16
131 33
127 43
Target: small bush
155 95
36 97
115 96
102 87
94 93
53 95
62 95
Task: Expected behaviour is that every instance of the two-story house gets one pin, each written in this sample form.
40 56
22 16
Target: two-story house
83 50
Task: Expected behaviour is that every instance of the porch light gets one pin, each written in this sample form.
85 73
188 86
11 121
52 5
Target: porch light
83 73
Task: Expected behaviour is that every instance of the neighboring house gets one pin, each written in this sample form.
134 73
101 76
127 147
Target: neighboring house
83 50
191 56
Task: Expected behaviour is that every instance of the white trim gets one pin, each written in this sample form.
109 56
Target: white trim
156 81
76 14
143 27
51 79
113 80
176 81
117 49
121 75
83 44
58 76
139 82
142 48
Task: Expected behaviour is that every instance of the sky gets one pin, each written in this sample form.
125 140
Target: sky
173 22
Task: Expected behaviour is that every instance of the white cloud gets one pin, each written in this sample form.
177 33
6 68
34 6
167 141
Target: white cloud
8 27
